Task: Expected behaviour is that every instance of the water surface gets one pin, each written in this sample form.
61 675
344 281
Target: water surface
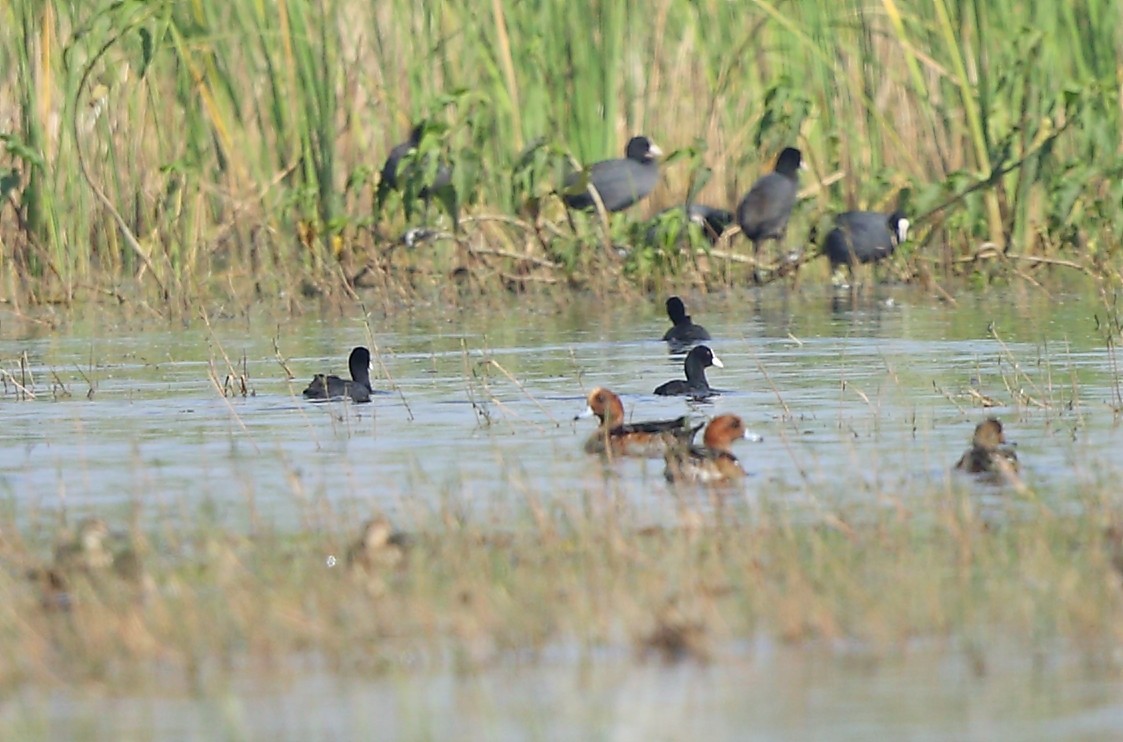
481 404
860 406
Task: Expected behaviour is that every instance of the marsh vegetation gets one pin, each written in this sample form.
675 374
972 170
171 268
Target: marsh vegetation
176 517
163 153
232 563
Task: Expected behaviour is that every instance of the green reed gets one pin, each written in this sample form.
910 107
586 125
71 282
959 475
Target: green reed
195 145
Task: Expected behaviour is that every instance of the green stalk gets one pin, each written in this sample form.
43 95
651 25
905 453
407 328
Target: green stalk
898 23
508 65
975 118
37 195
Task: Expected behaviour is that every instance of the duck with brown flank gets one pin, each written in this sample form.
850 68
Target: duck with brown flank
84 556
988 450
614 437
989 455
713 462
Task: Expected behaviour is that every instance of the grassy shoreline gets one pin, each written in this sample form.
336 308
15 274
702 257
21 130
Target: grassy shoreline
466 593
228 149
160 156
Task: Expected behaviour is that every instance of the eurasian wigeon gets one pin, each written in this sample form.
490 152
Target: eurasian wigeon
713 462
84 556
379 546
643 439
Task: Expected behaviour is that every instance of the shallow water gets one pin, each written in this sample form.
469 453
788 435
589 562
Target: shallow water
760 692
859 405
482 407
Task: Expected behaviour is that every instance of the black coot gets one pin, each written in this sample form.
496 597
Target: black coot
358 389
684 330
438 183
620 183
713 220
865 237
763 212
695 384
671 228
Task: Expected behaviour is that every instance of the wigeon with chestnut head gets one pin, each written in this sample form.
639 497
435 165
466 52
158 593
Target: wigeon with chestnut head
694 385
614 437
713 462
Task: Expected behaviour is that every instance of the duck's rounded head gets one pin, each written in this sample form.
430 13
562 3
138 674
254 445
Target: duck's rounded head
723 430
606 405
989 434
377 532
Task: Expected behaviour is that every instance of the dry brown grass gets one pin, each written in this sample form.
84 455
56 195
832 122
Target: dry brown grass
467 594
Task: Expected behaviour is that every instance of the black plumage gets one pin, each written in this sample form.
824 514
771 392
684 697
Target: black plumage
619 183
763 212
695 384
865 237
357 388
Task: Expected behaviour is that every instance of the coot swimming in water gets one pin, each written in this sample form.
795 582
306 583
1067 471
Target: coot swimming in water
684 330
694 385
357 389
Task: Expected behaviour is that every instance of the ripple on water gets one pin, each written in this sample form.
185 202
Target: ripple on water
852 403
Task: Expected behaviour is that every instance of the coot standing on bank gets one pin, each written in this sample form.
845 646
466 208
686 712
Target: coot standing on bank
864 237
763 212
620 183
439 182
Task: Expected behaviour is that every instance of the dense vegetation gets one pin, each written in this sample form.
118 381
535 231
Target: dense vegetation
173 148
200 602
